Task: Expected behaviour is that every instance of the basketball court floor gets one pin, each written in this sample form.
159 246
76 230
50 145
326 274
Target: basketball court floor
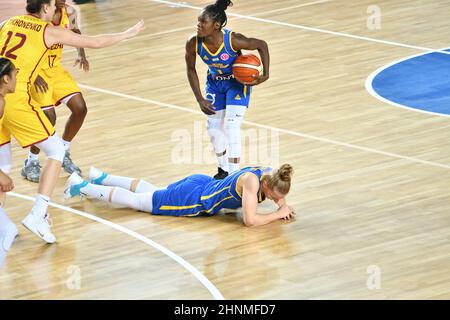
357 102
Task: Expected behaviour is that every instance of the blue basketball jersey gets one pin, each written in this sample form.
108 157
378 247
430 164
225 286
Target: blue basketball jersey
220 62
199 194
222 89
219 194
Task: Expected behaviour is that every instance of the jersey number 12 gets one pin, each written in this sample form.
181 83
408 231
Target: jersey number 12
9 53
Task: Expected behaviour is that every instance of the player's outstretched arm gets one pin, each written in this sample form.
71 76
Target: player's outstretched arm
67 37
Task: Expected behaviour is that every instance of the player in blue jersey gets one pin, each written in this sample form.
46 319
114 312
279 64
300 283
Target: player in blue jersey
195 195
226 99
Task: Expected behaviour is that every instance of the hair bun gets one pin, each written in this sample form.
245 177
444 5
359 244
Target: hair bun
223 4
285 172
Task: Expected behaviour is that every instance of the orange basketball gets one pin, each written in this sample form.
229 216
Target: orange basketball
246 66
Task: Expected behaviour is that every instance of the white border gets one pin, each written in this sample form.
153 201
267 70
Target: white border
371 90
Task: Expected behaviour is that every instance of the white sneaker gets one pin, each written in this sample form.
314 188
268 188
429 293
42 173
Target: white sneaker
96 176
39 226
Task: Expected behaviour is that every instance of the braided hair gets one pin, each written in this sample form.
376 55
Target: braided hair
217 13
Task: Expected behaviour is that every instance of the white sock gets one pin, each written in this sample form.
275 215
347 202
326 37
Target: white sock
40 205
96 191
223 161
66 144
232 167
32 156
120 196
118 181
144 186
137 201
126 183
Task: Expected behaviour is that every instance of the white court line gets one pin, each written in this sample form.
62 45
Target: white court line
290 132
190 268
297 26
289 8
371 90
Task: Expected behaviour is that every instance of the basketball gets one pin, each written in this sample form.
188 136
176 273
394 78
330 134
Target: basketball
245 67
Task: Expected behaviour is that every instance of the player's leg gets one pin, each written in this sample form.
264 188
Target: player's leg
99 177
29 125
66 91
8 233
38 219
8 230
238 97
77 186
215 128
31 169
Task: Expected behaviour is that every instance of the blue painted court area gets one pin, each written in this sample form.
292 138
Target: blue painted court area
421 82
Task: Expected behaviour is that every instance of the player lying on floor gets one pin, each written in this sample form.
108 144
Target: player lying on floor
195 195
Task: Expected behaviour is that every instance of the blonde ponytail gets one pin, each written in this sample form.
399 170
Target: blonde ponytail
281 179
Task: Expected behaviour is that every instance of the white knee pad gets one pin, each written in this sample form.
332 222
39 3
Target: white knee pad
145 201
53 148
233 120
5 158
215 128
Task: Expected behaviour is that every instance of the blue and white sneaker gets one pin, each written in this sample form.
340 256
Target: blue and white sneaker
74 185
96 176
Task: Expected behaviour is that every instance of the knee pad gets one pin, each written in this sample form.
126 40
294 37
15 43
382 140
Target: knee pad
145 201
234 117
214 124
216 134
53 148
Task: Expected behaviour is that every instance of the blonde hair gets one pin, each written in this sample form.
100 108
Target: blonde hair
280 179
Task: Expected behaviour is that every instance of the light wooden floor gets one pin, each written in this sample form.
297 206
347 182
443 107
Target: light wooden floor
362 194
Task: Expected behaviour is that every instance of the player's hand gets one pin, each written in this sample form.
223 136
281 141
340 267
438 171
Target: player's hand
134 30
83 63
206 107
6 183
258 79
286 212
40 84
